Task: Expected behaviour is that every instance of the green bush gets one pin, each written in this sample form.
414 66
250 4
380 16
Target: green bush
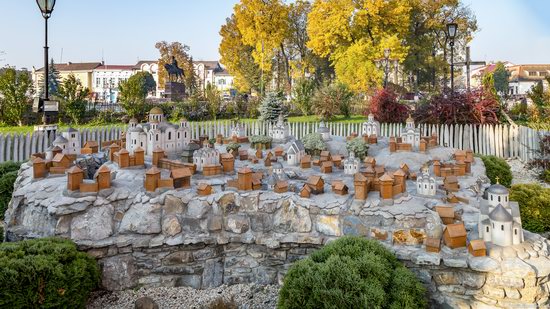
313 143
534 206
8 174
45 273
497 167
358 146
232 146
351 272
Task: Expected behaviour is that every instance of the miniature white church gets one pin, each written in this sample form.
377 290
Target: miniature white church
157 133
410 134
69 141
324 131
499 218
425 184
238 130
206 156
351 164
280 131
371 126
295 152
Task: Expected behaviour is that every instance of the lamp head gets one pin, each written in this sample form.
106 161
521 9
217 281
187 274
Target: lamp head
46 7
451 30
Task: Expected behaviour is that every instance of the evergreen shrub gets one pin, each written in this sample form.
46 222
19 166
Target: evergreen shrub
497 167
534 206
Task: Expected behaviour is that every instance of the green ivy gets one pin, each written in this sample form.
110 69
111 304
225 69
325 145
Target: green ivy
497 167
534 206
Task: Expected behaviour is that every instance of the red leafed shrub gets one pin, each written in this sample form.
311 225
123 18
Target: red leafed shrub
475 107
386 108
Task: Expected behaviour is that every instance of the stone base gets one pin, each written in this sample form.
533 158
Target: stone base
174 91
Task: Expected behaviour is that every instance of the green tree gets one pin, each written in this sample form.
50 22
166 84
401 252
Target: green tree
134 91
271 107
54 80
303 91
214 99
185 61
331 98
501 78
15 88
72 96
313 143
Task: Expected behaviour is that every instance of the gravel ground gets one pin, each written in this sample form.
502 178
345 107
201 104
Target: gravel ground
524 174
246 296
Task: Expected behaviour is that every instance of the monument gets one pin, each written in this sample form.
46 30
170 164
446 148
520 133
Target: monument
174 88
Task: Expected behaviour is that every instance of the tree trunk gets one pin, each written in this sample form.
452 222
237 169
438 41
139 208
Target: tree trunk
287 68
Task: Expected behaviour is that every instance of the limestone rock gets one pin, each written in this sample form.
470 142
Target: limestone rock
173 205
94 224
292 218
328 225
237 224
145 303
434 226
118 272
352 225
171 226
142 219
483 264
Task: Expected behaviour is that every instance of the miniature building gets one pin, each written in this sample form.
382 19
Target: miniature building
212 169
450 184
437 167
280 131
259 153
281 186
361 185
386 187
370 161
69 141
410 134
113 149
93 145
423 145
351 164
433 244
325 156
278 151
446 213
62 161
371 126
477 247
245 179
206 156
152 179
425 184
228 162
38 168
103 178
295 152
326 167
316 184
324 131
305 162
188 151
139 156
305 191
243 155
336 160
460 155
75 175
277 169
238 131
123 158
181 177
499 218
339 188
455 235
157 133
204 189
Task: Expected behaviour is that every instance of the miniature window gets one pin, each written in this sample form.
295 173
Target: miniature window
506 198
499 199
169 135
491 198
493 225
502 227
515 231
487 229
178 135
157 137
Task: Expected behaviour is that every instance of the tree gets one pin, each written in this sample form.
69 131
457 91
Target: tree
271 107
213 97
15 88
72 96
331 98
303 91
185 61
54 80
134 91
358 146
313 143
501 79
385 107
353 34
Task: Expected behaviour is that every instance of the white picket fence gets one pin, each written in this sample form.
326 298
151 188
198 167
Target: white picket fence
505 141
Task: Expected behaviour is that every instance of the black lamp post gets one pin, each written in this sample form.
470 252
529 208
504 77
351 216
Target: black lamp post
451 33
46 7
387 53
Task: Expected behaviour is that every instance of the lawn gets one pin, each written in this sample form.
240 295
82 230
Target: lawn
30 129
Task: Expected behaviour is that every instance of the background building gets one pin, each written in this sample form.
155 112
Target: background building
106 79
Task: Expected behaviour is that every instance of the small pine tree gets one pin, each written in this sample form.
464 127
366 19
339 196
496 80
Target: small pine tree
54 80
271 107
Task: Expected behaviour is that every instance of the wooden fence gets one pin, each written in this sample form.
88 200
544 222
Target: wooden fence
505 141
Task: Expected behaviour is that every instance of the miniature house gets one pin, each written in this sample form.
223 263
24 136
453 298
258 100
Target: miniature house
295 152
410 134
433 244
446 213
206 156
324 131
450 183
477 247
228 162
351 164
157 133
245 179
277 169
305 162
455 235
361 184
280 131
204 189
281 186
238 131
38 168
339 188
316 184
371 127
72 137
75 175
188 151
90 147
326 167
425 184
181 177
305 192
499 218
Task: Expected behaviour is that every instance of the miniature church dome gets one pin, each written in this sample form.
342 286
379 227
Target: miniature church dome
500 214
498 189
155 111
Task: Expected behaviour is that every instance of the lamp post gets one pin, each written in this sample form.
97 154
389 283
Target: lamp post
387 53
451 33
46 8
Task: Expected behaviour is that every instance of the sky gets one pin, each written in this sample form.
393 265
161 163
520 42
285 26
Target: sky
125 31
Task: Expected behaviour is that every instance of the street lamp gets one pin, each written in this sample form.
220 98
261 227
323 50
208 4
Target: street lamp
387 53
46 7
451 34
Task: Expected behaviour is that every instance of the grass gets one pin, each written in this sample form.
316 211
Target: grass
30 129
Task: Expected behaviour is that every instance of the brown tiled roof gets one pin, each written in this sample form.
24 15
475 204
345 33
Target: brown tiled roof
456 230
180 173
478 244
82 66
445 211
73 170
433 242
152 171
314 180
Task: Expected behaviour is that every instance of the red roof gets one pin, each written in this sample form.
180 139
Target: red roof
115 67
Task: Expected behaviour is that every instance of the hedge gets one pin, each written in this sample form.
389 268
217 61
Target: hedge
8 175
534 206
351 272
45 273
497 167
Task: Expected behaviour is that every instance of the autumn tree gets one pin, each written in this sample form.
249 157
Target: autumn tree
354 34
214 100
330 99
15 88
185 61
72 96
133 93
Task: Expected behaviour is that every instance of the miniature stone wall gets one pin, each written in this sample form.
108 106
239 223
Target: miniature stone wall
177 238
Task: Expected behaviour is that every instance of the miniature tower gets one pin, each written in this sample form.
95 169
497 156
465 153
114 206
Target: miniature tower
74 177
103 177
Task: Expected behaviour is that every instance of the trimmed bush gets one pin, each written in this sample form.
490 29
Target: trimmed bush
497 167
358 146
313 143
534 206
351 272
45 273
8 175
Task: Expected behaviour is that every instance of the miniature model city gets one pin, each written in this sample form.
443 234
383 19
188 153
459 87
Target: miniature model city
287 168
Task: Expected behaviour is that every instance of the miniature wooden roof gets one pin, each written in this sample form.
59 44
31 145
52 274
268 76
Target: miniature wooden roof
437 162
139 149
460 162
114 145
400 172
404 166
451 179
386 177
445 211
152 171
339 185
91 144
256 181
123 151
337 157
369 160
380 169
57 148
326 164
180 173
325 153
60 157
203 186
281 184
456 230
37 160
369 169
258 175
360 177
306 159
74 170
314 180
433 242
245 170
158 149
460 153
278 148
477 244
423 141
103 169
306 188
227 156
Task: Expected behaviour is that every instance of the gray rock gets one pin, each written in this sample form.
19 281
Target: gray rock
171 226
482 264
145 303
118 272
94 224
173 205
142 219
426 258
237 224
292 218
352 225
193 281
212 275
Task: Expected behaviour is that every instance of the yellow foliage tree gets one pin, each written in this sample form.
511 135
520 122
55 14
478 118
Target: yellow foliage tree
185 61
